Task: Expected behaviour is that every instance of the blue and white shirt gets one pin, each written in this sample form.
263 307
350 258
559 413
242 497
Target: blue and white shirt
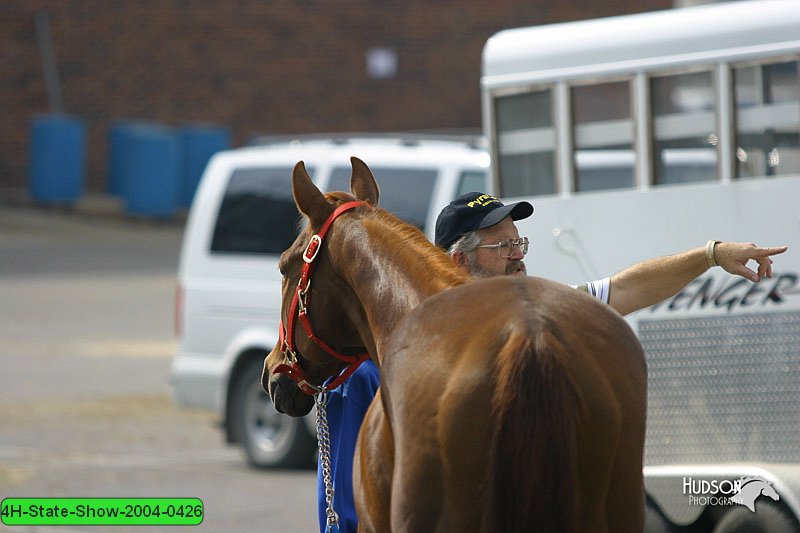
347 404
600 289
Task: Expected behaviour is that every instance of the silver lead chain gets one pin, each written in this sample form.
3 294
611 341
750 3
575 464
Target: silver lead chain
324 440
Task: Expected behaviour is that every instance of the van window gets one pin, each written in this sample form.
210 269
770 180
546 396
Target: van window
258 214
405 192
471 180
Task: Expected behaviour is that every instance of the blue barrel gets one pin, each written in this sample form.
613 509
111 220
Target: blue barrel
115 154
58 159
151 170
199 144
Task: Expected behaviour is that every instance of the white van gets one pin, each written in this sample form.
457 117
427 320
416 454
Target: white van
229 288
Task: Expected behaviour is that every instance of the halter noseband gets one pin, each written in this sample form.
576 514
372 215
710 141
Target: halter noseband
298 310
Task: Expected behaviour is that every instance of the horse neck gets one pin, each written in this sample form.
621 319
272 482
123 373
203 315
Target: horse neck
392 271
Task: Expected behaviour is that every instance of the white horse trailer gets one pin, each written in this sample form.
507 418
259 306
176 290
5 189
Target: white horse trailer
644 135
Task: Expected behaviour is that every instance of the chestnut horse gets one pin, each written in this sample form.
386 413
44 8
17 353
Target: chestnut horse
506 404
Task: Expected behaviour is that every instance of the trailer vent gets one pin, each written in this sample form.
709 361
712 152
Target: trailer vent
723 388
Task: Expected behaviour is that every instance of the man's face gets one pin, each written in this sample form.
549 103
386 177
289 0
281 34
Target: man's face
488 262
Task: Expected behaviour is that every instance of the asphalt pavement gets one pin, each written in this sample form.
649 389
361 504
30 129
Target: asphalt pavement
86 340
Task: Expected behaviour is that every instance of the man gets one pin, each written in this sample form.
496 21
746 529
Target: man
470 225
479 234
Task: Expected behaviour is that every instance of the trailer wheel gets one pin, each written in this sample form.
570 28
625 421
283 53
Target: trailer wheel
655 521
768 518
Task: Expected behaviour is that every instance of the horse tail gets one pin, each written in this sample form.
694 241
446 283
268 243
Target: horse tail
533 471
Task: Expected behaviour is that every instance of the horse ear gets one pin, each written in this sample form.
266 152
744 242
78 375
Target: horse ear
309 199
362 182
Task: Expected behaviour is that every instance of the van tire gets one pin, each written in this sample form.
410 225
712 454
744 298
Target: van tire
270 439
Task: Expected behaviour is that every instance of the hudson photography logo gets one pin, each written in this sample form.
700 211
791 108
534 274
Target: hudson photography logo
742 491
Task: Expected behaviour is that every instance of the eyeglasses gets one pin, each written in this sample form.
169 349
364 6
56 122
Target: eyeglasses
505 249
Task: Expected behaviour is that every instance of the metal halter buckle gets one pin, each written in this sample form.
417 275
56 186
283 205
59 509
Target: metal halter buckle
309 388
313 248
302 295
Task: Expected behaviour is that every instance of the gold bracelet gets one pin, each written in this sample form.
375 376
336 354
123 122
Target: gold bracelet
712 261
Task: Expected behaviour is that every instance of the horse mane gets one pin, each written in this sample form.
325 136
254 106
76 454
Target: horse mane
420 250
416 249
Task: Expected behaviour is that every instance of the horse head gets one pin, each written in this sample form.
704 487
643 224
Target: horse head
770 492
319 334
751 487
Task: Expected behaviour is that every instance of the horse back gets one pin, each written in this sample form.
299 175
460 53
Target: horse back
509 400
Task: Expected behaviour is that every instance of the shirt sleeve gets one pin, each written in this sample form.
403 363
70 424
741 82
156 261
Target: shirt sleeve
600 289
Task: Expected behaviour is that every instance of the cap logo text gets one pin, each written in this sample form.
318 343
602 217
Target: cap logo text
483 200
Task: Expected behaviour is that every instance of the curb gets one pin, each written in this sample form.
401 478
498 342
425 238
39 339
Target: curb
90 206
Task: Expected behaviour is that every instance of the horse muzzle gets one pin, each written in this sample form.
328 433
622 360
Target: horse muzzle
287 397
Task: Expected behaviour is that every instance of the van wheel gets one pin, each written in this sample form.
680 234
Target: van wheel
768 518
270 439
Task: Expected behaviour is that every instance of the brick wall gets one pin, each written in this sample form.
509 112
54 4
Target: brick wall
255 66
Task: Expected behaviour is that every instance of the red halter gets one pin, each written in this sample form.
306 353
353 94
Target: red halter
299 309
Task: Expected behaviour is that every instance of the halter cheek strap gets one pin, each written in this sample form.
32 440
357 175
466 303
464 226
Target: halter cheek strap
298 310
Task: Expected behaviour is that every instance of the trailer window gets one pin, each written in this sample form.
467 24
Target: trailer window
526 143
603 136
684 128
767 100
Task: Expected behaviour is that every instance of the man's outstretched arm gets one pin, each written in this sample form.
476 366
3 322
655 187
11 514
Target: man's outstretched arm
651 281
